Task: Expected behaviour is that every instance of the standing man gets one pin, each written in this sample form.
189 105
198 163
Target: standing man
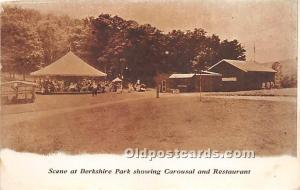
94 88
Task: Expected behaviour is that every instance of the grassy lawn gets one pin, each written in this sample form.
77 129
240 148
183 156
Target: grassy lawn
269 128
292 92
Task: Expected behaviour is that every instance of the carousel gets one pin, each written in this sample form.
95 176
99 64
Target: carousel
69 74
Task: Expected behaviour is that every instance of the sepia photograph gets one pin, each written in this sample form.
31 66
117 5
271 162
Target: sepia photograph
120 77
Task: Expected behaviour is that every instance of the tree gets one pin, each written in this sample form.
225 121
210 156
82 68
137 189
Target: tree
21 51
278 75
283 80
31 40
232 50
54 34
144 53
207 53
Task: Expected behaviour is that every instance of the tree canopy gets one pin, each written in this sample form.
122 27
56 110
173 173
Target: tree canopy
119 47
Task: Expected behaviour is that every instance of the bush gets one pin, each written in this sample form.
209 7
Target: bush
289 81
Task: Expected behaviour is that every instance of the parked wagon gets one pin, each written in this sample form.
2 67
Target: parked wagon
15 92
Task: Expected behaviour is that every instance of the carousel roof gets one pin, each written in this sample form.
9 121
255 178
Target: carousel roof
69 65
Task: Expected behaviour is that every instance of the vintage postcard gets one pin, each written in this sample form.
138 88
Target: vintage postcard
140 94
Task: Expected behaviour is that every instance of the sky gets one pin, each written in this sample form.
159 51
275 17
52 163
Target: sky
270 25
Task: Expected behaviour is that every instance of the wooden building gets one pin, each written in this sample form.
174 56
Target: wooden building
182 82
209 81
189 82
243 75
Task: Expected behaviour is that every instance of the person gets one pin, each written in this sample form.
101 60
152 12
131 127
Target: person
72 87
114 87
263 85
137 87
94 88
102 87
143 88
268 85
272 84
130 87
119 89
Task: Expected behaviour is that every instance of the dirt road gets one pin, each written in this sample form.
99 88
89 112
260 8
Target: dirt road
111 123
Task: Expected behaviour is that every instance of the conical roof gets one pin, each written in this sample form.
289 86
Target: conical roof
69 65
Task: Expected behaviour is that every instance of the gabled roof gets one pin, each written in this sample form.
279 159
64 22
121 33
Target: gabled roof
245 66
69 65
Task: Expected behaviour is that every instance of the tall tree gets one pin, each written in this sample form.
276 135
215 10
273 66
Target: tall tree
20 43
119 47
232 50
54 34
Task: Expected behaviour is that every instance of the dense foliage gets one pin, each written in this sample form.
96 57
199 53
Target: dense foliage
283 77
31 40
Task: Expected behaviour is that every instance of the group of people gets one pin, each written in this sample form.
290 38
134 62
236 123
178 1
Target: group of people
49 86
267 85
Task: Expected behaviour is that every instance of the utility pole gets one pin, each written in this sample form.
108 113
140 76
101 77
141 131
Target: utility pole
254 52
196 78
157 90
200 87
70 47
122 60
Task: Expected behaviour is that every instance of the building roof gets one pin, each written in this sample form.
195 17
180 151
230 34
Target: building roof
181 76
209 73
190 75
69 65
246 66
117 80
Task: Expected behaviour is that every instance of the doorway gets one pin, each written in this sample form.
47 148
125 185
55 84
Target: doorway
163 86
